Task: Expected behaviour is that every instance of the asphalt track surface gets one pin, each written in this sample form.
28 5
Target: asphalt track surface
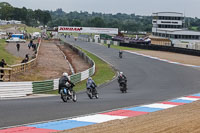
149 81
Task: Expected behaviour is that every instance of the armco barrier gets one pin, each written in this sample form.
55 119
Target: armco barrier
99 41
15 89
43 86
163 48
75 78
18 89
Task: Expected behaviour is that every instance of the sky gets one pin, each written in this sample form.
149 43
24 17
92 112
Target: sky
191 8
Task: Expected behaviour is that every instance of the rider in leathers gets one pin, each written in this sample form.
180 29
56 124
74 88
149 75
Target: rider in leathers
90 83
122 77
63 81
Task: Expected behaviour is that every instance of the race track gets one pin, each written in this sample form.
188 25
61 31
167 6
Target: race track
149 81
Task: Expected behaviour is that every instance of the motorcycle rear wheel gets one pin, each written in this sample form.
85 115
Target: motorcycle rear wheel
63 96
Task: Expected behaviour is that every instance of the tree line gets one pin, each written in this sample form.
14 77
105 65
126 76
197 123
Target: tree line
27 16
125 22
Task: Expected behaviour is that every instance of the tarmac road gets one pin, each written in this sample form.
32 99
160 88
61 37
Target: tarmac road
149 81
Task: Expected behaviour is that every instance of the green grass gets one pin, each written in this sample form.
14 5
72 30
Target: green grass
29 29
9 58
122 48
103 74
20 27
194 28
3 27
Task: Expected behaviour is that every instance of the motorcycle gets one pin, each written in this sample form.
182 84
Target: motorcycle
120 54
92 92
67 94
123 87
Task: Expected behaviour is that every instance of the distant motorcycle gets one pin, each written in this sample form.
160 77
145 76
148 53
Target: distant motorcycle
67 94
92 92
120 54
123 86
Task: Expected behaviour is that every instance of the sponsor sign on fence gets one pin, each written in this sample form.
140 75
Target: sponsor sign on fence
88 30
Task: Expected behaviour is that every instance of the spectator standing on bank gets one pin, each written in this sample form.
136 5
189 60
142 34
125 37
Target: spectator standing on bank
24 60
30 44
26 56
2 64
18 47
34 47
109 45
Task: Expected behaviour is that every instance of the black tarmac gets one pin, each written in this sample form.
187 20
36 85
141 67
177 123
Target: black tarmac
149 81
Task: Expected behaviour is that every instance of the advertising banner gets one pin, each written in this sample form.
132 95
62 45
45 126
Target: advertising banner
88 30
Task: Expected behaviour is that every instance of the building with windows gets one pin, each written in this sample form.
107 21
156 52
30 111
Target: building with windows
171 25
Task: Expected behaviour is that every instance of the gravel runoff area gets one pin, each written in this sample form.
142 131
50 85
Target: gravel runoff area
51 63
181 58
181 119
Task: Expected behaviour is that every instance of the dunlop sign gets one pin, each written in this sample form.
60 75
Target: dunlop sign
88 30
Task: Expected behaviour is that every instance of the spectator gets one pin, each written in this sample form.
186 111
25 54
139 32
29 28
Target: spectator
2 64
109 45
18 46
30 44
24 60
27 56
34 47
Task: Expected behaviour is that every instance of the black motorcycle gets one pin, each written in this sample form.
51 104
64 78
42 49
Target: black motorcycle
120 54
123 86
67 94
92 92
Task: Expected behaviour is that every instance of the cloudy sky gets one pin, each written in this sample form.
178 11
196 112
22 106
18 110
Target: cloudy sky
191 8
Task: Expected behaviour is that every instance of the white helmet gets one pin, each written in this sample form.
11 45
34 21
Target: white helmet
90 78
120 73
65 74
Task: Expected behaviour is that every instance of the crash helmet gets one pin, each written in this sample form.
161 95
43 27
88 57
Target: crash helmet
65 74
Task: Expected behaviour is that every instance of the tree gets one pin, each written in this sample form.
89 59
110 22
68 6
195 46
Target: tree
76 23
46 17
97 22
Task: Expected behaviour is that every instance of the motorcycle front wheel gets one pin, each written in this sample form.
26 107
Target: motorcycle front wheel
89 93
74 98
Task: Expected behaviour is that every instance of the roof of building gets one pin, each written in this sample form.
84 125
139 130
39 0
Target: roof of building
172 14
181 32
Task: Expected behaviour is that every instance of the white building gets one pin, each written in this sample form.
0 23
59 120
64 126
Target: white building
171 25
5 22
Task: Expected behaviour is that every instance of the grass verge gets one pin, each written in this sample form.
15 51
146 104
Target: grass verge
104 73
3 27
20 27
29 29
9 58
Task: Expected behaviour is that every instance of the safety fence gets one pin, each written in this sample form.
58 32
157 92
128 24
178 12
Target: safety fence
187 44
16 89
163 48
99 41
6 73
162 44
